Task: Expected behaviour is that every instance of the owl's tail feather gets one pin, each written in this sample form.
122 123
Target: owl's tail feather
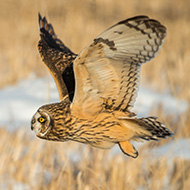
147 128
154 127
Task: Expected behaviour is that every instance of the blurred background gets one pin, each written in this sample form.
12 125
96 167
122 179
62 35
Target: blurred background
30 163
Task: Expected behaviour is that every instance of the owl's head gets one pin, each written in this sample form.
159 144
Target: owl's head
41 123
49 122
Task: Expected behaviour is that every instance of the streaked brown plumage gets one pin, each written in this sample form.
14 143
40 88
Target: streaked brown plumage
58 59
106 77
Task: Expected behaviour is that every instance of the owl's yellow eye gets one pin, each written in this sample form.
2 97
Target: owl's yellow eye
41 119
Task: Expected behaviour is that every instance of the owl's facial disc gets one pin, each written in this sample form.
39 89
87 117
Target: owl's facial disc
40 123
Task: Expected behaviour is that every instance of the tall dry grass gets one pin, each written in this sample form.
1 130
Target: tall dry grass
78 22
30 163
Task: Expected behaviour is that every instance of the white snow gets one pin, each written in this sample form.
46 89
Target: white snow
19 103
148 99
179 148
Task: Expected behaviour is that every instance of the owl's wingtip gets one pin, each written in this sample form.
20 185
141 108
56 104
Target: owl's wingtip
39 16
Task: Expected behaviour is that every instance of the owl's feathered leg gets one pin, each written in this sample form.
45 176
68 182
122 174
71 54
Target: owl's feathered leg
128 148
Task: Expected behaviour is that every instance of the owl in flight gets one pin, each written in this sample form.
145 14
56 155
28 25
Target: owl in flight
98 87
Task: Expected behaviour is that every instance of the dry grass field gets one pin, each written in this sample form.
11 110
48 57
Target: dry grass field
30 163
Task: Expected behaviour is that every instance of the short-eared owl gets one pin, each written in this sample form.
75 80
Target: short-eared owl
98 87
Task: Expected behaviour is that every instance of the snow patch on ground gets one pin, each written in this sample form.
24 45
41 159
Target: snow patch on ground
19 103
148 99
179 148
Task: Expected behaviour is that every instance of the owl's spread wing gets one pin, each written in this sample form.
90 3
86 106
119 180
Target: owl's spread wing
107 71
58 59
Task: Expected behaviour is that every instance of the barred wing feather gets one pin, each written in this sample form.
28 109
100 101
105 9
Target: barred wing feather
107 71
58 59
